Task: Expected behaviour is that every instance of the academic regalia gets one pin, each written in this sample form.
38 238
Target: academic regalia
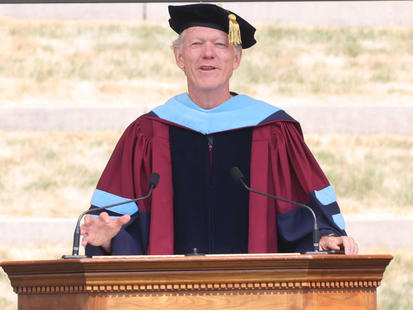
197 204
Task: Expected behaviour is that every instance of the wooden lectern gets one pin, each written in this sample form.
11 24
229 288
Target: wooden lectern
251 281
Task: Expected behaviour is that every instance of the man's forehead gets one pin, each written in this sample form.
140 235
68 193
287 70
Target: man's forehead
204 32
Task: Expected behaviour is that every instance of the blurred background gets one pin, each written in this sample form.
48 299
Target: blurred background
73 76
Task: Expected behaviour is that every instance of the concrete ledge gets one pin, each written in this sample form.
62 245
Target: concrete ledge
370 233
69 119
21 231
355 119
392 233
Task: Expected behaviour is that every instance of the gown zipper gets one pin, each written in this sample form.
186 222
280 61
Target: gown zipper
210 148
210 207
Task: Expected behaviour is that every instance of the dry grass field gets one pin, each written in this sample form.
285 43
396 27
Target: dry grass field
96 63
52 174
48 63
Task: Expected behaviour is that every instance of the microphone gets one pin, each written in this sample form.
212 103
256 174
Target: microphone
239 177
153 182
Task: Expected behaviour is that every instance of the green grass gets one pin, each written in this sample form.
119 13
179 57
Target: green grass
78 63
53 174
329 61
396 290
368 173
83 52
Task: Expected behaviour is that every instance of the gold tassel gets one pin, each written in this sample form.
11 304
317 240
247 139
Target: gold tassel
234 33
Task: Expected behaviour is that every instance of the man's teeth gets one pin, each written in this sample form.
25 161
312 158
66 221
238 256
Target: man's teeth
207 67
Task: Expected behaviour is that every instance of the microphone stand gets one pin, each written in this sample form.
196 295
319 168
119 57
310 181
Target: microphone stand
153 181
239 177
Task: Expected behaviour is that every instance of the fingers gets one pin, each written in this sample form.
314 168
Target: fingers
85 227
86 230
105 218
329 243
86 238
350 246
337 243
124 219
100 230
87 220
334 243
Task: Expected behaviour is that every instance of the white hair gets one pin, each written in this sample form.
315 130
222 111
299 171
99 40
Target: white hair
179 42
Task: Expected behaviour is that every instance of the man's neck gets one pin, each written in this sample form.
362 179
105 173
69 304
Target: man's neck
209 100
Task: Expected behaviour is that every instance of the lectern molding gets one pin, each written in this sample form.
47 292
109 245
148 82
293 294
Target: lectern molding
171 282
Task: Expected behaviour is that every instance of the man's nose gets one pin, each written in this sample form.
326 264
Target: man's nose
208 51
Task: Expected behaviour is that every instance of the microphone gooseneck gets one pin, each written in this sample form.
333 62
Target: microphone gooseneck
153 182
238 176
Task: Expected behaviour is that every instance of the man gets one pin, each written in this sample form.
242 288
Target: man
192 142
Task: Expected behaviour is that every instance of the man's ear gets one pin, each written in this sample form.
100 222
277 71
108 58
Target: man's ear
237 58
178 57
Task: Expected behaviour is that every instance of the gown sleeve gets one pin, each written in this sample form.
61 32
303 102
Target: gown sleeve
126 176
298 177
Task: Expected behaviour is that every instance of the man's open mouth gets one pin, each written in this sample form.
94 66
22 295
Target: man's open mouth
207 68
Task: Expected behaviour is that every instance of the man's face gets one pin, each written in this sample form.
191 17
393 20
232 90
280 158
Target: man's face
207 59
